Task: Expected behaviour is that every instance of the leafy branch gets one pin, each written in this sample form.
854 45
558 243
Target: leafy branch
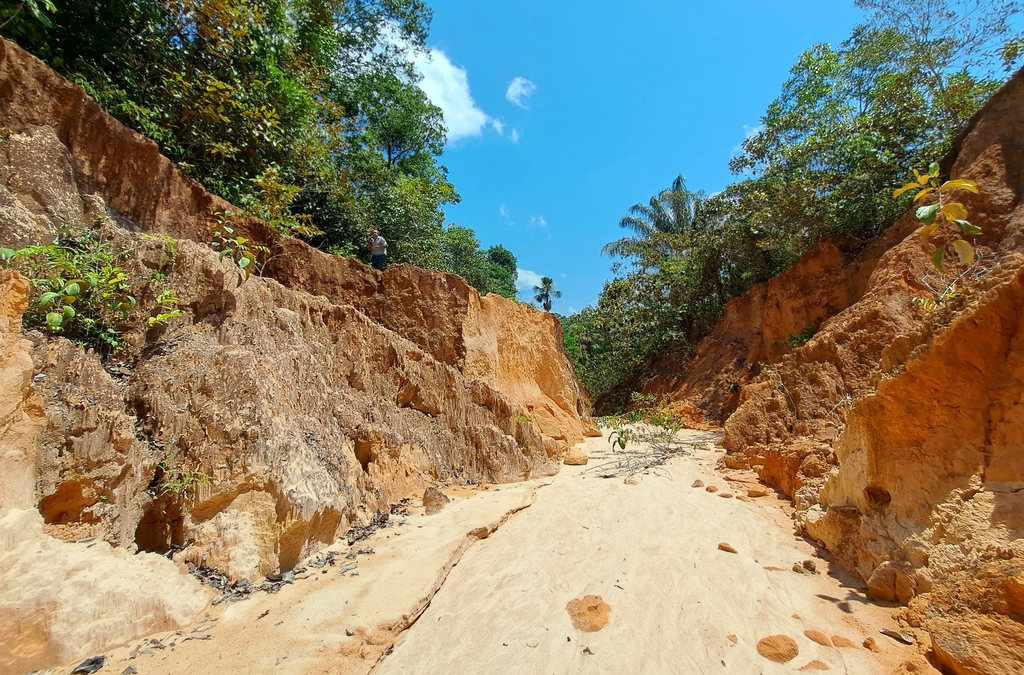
932 215
243 252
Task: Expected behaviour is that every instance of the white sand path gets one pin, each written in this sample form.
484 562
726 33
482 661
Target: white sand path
651 552
497 605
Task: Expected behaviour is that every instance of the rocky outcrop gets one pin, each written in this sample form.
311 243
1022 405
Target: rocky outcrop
758 327
62 600
272 415
511 347
896 429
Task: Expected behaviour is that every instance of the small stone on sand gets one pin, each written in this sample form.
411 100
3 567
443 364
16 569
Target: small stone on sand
757 492
434 500
726 495
815 665
799 568
778 648
632 480
732 638
817 636
811 566
589 613
576 456
869 643
698 483
743 498
726 547
711 488
840 641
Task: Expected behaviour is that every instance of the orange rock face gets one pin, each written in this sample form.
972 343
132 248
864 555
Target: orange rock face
309 398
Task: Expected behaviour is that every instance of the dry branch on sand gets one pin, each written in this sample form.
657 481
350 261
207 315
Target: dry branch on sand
645 449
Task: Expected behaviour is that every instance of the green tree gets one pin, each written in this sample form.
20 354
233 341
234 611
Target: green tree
670 212
490 271
502 271
850 119
545 292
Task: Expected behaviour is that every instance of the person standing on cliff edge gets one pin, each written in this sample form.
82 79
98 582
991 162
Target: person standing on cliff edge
378 248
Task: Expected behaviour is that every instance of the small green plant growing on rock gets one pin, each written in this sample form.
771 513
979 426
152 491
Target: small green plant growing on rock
166 307
178 481
79 292
797 340
938 292
243 252
931 215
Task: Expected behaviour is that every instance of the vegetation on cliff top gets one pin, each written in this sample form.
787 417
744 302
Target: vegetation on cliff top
306 113
848 124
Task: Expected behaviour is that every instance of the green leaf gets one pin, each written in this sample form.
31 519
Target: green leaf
926 214
933 169
967 228
243 262
937 258
69 312
964 251
72 288
54 320
6 253
48 298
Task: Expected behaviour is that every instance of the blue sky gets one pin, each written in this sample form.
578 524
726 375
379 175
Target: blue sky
562 115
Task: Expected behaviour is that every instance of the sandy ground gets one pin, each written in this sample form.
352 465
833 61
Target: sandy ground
482 587
651 552
329 621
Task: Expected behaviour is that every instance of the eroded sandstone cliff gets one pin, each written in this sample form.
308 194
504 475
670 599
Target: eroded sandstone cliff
897 430
309 398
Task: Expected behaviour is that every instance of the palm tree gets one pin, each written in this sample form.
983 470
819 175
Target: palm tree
673 211
545 292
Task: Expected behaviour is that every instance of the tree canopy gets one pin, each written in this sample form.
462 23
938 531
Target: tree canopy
307 113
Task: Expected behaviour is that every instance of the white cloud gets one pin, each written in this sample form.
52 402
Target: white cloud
748 133
519 91
503 210
538 221
447 87
526 280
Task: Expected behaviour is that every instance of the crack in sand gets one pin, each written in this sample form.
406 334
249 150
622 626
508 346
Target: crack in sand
400 627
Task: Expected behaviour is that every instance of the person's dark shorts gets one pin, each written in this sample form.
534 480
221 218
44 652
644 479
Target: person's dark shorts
378 261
